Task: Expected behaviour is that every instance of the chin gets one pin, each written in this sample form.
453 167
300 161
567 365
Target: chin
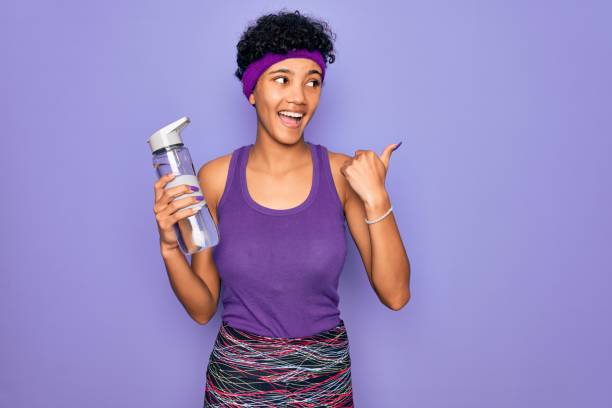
289 135
290 140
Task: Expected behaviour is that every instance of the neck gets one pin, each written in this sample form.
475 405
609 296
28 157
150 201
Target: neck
276 157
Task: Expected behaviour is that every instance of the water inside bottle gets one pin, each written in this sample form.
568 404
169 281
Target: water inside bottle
196 232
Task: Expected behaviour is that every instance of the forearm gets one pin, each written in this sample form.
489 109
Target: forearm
191 291
390 264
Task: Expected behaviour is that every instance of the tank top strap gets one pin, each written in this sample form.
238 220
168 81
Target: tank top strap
232 183
328 191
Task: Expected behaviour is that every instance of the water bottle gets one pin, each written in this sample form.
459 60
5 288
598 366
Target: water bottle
198 231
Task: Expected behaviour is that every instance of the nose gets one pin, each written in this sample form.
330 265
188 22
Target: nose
296 93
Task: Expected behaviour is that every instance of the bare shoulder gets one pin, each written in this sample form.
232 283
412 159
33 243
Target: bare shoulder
212 177
336 160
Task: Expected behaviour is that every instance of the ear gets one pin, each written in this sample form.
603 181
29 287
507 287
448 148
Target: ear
252 99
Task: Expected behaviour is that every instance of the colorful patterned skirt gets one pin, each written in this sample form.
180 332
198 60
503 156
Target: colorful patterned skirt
250 370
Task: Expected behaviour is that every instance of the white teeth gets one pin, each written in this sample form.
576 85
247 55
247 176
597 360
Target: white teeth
291 114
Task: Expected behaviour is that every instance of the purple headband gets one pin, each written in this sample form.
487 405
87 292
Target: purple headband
256 68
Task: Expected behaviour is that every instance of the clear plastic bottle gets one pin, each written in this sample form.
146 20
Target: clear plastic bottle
198 231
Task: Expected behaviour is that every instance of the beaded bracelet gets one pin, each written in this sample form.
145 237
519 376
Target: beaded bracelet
379 218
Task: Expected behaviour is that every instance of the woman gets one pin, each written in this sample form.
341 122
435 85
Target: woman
280 204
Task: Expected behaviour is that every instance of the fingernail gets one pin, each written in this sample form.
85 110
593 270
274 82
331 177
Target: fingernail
199 198
398 145
193 188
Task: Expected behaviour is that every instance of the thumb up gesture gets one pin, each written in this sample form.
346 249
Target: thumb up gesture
366 172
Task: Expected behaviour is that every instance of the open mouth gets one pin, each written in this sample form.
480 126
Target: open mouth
290 121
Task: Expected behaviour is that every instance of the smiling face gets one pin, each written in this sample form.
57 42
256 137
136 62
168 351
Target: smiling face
290 85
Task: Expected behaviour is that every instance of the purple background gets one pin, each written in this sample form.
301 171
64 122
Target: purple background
501 191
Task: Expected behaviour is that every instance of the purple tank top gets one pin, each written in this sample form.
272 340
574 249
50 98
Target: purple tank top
279 269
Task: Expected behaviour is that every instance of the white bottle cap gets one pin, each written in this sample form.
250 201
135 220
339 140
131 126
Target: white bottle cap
168 135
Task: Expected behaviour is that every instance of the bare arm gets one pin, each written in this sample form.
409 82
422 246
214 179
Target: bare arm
380 244
191 291
197 286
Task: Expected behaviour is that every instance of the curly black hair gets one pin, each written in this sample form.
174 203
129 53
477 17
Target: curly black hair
282 32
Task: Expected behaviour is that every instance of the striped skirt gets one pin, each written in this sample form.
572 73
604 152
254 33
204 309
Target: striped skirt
250 370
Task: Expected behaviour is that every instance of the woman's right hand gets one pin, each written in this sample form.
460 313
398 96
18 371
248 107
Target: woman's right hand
168 212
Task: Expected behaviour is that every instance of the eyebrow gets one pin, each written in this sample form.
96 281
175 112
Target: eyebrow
312 71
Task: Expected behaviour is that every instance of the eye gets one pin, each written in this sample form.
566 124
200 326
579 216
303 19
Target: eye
282 77
316 83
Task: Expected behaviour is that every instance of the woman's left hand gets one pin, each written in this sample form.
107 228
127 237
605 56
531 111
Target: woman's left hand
366 172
